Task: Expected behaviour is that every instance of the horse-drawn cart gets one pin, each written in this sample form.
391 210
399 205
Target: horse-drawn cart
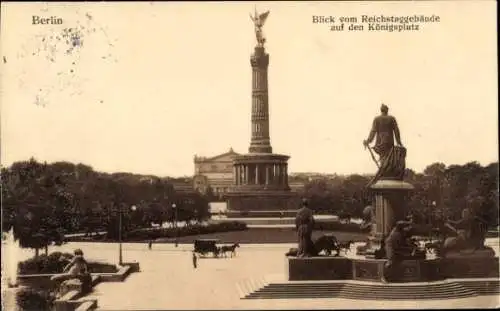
205 246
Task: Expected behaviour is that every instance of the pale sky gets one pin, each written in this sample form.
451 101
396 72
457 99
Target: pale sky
149 85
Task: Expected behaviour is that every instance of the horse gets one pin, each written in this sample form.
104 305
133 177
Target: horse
229 248
325 243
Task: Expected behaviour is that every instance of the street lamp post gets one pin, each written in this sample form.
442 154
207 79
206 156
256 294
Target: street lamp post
120 256
174 206
120 221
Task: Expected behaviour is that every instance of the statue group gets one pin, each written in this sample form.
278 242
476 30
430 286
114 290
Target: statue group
466 236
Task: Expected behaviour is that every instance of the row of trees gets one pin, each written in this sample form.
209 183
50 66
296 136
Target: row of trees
440 192
44 201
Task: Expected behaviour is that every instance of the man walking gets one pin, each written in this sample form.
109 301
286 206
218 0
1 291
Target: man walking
195 260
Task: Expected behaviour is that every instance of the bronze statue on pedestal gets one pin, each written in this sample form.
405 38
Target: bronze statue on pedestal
391 162
304 223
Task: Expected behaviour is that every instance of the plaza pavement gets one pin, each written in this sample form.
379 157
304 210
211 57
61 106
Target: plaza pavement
168 280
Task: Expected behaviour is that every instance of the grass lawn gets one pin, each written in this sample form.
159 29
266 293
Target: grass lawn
264 235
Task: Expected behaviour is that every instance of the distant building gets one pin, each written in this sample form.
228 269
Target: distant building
183 185
296 186
215 172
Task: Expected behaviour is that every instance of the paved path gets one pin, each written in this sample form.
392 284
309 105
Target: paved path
169 281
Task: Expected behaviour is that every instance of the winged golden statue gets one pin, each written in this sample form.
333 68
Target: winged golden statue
258 21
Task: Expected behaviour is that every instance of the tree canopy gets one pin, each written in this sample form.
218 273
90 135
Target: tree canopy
43 201
440 189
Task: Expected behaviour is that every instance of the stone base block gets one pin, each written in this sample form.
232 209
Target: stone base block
70 285
368 270
405 271
418 270
469 267
134 266
424 270
486 252
319 268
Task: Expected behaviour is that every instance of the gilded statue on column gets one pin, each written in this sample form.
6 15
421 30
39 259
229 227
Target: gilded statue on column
258 21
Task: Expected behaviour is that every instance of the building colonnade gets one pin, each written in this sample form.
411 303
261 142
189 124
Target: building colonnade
260 174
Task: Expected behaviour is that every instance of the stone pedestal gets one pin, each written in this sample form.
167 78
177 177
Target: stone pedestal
372 270
319 268
390 197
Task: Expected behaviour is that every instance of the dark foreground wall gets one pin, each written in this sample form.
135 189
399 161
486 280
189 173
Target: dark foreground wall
338 268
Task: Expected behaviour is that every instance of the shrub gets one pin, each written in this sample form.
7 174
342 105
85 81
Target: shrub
55 263
140 235
34 300
44 264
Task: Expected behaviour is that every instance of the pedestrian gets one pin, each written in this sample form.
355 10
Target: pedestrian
195 259
150 244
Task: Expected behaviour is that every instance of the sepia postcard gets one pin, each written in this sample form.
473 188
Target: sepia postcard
249 155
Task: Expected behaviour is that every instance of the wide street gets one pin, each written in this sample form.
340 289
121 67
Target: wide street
168 280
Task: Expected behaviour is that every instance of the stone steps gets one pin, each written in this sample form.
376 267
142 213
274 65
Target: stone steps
251 285
442 290
483 287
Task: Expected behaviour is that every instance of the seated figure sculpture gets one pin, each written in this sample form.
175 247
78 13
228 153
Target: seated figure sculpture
400 246
369 223
77 269
471 232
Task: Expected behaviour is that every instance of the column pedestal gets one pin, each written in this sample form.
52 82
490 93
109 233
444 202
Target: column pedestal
390 197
